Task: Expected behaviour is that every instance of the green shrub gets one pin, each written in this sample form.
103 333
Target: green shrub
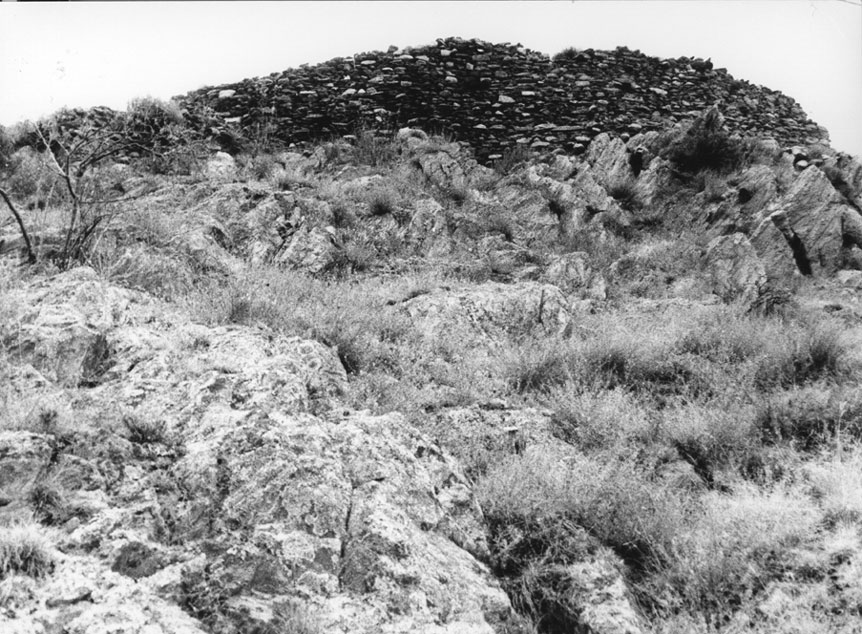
728 336
25 550
48 502
567 54
263 165
381 203
499 223
144 431
154 124
705 145
341 314
342 216
614 501
624 191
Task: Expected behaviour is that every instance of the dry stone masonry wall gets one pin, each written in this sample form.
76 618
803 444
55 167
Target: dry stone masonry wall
496 96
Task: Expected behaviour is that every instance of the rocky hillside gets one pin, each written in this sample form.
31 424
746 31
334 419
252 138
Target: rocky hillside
497 96
373 385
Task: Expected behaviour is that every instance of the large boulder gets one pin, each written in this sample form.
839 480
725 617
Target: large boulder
221 167
483 313
309 249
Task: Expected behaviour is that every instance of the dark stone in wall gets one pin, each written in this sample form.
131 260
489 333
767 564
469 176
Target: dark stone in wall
496 96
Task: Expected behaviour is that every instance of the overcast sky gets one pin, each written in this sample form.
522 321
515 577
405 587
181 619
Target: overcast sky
105 53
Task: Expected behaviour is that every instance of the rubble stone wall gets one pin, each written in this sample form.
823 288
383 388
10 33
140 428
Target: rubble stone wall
496 96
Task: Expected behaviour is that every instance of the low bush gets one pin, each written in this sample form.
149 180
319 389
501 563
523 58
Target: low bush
143 431
728 336
48 502
381 203
705 144
646 367
567 54
625 192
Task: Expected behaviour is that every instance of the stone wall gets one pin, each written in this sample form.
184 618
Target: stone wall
498 95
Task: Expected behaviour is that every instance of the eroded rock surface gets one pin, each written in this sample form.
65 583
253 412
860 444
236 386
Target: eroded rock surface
230 482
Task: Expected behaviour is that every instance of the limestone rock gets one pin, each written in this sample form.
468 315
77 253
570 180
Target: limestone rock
82 597
221 167
576 201
489 309
851 279
62 339
359 519
355 503
652 180
609 160
443 167
601 597
736 273
309 249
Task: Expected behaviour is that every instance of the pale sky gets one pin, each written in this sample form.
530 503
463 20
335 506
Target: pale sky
106 53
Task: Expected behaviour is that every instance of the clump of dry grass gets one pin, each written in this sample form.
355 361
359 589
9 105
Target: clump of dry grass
24 549
836 485
733 547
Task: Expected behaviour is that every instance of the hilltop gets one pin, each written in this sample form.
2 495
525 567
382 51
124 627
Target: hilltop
261 376
497 96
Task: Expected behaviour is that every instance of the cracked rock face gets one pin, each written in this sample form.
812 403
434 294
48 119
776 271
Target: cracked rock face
809 229
242 497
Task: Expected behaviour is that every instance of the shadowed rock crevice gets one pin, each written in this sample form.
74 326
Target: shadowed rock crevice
797 248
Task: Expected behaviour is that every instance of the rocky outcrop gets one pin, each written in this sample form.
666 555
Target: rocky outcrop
228 480
497 97
810 229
